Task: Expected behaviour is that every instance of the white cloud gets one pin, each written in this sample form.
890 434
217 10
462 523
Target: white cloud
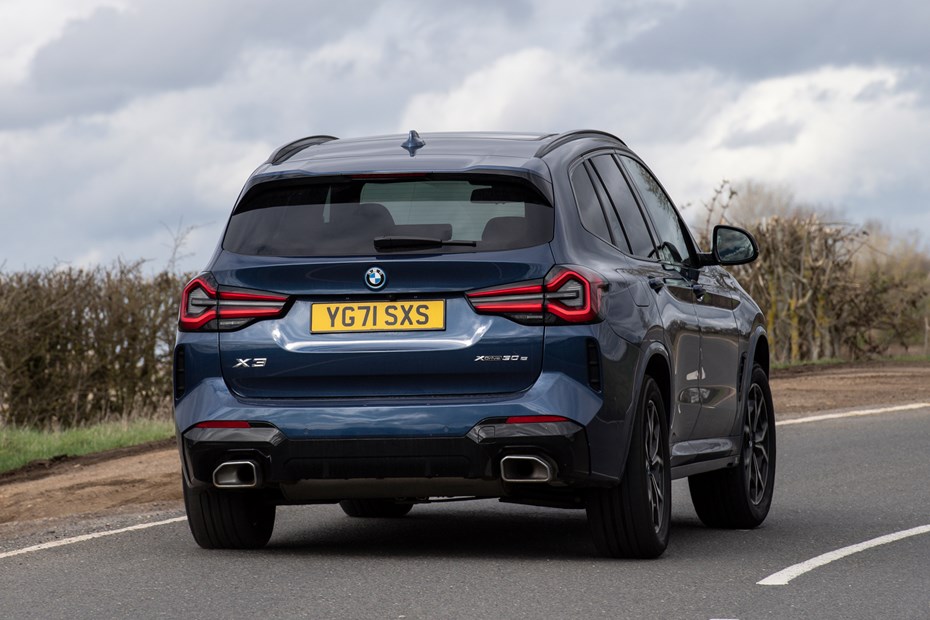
91 183
515 92
836 135
848 143
543 90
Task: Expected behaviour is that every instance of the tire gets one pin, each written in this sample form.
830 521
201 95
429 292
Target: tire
740 497
631 520
228 519
374 508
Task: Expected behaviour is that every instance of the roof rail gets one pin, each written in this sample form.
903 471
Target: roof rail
574 134
292 148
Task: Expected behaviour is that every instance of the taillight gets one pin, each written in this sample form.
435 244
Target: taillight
568 294
522 301
206 308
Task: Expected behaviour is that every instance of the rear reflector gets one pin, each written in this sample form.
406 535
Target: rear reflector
223 424
535 419
594 365
180 381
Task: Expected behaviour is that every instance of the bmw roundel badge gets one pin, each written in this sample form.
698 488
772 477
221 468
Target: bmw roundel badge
375 278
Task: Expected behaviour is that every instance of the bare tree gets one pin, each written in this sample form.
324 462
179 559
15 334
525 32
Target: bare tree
828 288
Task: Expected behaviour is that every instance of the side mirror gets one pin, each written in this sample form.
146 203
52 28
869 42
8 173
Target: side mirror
733 246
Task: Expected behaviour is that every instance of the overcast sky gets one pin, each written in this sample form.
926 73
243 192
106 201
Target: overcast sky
120 119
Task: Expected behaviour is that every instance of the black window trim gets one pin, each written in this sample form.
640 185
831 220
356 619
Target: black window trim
689 239
647 220
583 162
601 189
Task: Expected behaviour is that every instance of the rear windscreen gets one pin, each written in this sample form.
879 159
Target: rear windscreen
381 216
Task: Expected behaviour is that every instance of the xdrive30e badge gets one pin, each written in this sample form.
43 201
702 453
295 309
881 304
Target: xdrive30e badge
375 278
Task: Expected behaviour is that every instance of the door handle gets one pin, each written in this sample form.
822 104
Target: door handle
656 284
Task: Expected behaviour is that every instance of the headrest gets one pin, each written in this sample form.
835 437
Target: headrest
504 229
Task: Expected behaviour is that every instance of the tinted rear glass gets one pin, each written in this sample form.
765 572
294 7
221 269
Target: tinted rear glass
344 217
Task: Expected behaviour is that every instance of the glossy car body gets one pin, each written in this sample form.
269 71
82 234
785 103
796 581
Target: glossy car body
541 355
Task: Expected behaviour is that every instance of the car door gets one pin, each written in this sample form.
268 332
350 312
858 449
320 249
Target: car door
713 305
715 302
664 283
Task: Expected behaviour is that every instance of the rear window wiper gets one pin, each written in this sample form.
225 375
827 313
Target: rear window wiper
393 243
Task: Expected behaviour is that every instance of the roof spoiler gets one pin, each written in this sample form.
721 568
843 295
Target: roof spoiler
292 148
574 134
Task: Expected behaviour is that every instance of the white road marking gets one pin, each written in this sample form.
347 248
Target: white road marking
852 414
85 537
779 578
782 577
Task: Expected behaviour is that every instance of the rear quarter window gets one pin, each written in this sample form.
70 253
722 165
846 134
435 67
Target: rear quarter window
589 206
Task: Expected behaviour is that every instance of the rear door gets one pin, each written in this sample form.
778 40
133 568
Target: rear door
719 361
375 269
667 283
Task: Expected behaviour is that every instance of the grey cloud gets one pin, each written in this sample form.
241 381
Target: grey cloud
110 57
243 78
917 80
93 175
764 39
901 207
874 91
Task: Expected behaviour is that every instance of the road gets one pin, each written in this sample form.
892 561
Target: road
840 482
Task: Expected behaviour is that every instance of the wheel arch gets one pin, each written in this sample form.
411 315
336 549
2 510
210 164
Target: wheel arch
654 362
760 351
659 369
756 352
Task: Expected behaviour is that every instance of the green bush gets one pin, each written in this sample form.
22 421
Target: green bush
84 346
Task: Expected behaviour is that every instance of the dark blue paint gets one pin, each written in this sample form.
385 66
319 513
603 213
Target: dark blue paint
427 384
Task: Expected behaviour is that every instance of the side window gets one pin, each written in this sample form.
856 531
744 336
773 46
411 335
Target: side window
613 222
634 225
673 244
589 207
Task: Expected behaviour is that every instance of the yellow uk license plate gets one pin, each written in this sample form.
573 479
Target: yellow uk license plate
378 316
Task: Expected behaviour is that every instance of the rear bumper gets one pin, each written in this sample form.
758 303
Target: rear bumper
334 469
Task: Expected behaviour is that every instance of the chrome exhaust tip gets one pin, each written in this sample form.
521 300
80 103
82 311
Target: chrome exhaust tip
237 475
526 468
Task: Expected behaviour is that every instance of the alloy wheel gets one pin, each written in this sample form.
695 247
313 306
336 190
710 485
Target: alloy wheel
655 466
755 444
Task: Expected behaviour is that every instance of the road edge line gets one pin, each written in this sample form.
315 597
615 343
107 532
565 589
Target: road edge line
783 577
86 537
851 414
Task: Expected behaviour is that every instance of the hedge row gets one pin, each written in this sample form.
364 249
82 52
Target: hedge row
80 346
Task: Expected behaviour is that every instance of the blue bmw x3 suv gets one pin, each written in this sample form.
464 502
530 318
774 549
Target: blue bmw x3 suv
395 319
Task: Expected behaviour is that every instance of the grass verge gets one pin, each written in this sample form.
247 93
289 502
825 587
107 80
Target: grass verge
838 361
19 446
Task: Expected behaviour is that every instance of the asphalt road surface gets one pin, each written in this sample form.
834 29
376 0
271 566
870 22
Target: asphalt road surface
840 482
